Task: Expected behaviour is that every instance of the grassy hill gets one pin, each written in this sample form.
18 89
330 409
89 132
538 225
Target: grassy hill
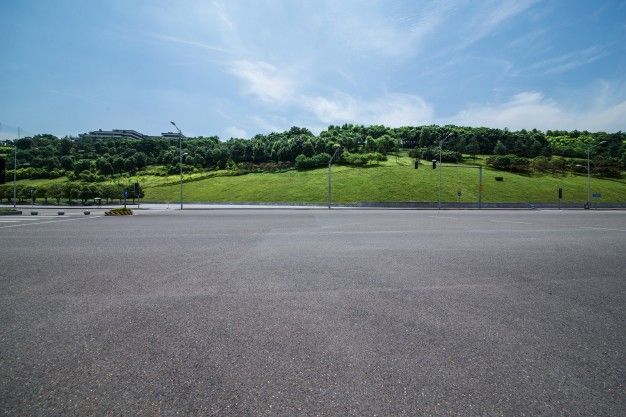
392 180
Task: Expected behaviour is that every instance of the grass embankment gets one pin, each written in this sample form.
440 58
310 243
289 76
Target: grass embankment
392 180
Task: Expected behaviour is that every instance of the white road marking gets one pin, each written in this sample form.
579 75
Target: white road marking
601 228
444 217
508 221
50 221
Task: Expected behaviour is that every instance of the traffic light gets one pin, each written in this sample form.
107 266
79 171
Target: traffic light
560 193
434 163
417 163
2 171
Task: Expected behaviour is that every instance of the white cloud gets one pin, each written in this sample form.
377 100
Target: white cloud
531 109
390 109
223 15
264 80
196 44
491 17
235 132
268 84
566 62
377 29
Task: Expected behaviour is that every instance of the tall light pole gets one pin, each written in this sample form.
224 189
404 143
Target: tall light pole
180 155
330 162
440 169
589 173
15 168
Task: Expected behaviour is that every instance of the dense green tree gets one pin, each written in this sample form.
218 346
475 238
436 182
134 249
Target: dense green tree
499 149
56 191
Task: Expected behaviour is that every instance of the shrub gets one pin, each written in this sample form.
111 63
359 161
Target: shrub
558 164
362 159
540 164
316 161
433 153
510 163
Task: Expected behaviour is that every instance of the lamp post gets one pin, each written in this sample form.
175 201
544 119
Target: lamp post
180 154
330 161
588 205
15 168
440 168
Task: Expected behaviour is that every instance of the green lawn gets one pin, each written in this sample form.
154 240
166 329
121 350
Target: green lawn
393 180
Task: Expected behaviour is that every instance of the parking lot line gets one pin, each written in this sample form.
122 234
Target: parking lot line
49 221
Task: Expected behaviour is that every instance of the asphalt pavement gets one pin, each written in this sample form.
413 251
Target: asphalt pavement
314 312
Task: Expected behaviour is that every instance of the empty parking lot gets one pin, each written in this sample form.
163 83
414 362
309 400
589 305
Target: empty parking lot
314 312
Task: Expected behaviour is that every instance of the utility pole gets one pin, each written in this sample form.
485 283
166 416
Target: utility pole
15 169
480 186
588 177
440 168
180 156
330 162
588 205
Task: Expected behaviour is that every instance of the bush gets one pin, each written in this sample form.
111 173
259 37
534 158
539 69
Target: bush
33 173
433 153
362 159
510 163
606 167
558 164
316 161
540 164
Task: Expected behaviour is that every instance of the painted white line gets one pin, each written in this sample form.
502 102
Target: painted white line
9 221
444 217
346 232
601 228
26 218
508 221
46 222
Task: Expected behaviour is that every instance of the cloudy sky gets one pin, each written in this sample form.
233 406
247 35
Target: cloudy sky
237 68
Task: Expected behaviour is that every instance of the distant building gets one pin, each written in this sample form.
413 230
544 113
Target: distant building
115 133
123 133
171 135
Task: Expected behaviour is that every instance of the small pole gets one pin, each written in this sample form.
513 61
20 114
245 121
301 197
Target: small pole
440 168
480 186
330 162
15 169
588 178
329 185
180 152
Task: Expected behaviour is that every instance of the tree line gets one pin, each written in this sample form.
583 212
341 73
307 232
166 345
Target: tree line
93 160
68 192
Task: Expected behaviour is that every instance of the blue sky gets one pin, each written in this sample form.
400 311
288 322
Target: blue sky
237 68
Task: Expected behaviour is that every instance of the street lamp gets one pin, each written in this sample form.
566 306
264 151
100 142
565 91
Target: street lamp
440 167
15 168
330 161
589 173
180 154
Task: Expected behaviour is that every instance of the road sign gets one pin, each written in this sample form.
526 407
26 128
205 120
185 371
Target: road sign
597 195
458 193
125 193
